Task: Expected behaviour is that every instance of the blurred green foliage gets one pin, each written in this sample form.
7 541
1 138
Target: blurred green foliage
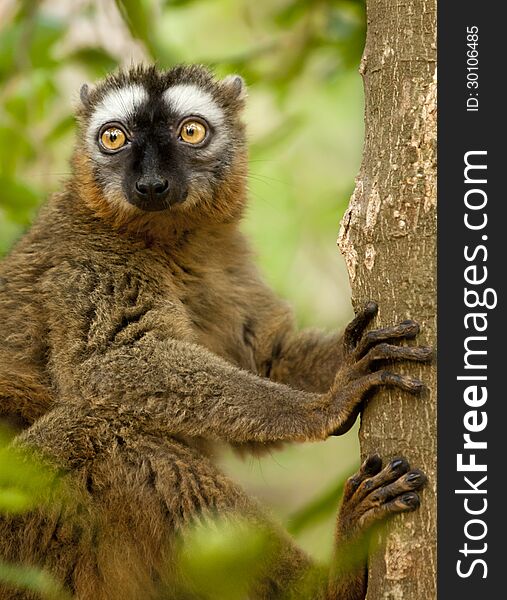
27 482
32 580
304 116
221 560
24 481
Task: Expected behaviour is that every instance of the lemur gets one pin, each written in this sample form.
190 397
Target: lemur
136 334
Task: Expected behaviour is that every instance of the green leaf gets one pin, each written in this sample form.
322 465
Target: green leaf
178 3
97 60
318 510
16 106
139 18
292 12
43 34
279 137
18 199
15 148
33 580
62 128
31 97
25 480
9 233
13 500
221 559
9 40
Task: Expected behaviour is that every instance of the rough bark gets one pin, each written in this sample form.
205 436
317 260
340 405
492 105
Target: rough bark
388 239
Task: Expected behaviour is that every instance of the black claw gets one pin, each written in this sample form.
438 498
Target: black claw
371 308
425 352
398 463
413 325
408 384
368 484
418 385
416 478
411 499
356 327
372 464
385 375
412 385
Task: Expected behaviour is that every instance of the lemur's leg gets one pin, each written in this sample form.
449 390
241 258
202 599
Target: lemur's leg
369 497
134 495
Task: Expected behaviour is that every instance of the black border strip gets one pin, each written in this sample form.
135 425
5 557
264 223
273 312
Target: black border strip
461 131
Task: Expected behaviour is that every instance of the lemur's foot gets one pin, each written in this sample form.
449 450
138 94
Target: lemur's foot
373 494
363 367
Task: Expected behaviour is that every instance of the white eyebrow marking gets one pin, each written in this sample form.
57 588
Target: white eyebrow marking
117 105
188 99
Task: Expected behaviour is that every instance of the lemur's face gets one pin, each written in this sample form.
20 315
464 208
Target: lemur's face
161 141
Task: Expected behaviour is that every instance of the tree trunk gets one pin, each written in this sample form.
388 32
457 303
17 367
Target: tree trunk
388 239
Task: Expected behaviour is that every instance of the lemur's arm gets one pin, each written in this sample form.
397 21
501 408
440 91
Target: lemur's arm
118 347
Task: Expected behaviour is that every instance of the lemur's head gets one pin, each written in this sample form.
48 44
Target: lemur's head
166 146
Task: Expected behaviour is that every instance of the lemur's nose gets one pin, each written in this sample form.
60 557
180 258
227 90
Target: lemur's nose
152 187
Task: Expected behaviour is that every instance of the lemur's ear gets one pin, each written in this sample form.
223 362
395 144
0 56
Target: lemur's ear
235 86
84 94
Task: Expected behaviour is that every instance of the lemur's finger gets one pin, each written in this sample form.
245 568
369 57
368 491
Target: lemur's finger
408 384
348 407
390 352
389 474
356 327
405 503
387 378
411 481
371 466
405 330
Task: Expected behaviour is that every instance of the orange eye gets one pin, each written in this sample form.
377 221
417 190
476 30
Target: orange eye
113 138
193 132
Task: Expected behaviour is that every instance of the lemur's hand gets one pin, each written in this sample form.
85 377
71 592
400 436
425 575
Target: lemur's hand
373 493
363 367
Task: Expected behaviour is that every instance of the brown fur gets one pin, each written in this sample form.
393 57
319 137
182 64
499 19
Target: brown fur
132 342
227 207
